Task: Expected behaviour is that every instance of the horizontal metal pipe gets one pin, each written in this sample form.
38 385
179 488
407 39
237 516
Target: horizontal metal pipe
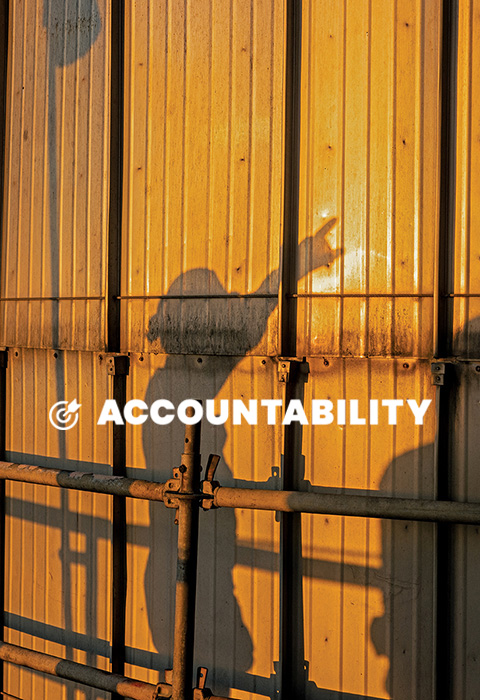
81 481
72 671
348 505
256 499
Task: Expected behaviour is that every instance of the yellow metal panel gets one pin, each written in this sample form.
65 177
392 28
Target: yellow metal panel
237 597
467 236
369 174
369 584
203 174
58 541
56 174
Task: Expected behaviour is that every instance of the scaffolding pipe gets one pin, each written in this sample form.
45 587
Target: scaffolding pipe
185 588
79 673
81 481
257 499
348 505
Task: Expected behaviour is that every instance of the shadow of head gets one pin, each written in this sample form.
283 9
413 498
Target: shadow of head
211 321
72 28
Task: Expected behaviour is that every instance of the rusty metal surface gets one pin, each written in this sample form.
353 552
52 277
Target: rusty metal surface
369 175
81 481
46 663
203 175
56 175
202 218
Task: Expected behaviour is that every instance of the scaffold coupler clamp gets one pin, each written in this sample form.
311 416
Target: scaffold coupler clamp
201 692
173 487
164 690
209 485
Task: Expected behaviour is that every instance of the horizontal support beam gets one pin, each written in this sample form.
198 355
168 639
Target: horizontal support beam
72 671
81 481
348 505
256 499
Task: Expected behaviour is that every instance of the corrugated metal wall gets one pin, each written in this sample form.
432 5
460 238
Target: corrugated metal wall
56 208
369 175
202 216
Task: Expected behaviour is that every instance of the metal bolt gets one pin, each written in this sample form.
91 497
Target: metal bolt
182 469
477 368
406 365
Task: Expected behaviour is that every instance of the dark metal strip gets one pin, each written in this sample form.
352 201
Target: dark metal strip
444 344
119 545
291 599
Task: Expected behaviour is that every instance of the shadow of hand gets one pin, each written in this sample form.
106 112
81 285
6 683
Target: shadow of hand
316 251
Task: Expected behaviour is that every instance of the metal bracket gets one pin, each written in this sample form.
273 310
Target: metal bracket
288 366
118 364
438 373
172 487
209 485
201 692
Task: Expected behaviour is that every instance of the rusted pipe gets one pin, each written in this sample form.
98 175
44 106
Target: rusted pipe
72 671
256 499
81 481
348 505
185 589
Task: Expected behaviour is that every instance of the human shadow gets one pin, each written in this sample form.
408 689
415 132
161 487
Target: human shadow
205 337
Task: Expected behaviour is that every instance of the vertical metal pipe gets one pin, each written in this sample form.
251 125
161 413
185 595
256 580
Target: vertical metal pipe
185 589
4 28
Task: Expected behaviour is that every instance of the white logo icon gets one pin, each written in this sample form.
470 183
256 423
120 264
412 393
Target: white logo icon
64 415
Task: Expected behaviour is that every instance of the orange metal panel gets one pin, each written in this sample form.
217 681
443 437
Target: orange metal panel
58 542
369 584
56 174
467 236
203 177
369 174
